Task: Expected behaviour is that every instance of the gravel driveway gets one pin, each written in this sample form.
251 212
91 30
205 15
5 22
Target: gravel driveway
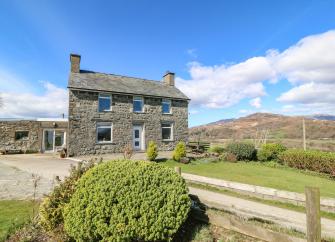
16 171
16 181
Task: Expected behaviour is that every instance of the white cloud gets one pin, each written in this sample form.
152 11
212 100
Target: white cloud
192 53
310 93
224 86
312 59
256 102
194 111
308 65
52 103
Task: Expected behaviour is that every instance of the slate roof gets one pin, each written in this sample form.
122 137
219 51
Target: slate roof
89 80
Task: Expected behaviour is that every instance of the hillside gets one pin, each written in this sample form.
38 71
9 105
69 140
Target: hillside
276 126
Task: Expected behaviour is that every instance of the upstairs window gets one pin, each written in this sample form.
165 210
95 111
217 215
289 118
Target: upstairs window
105 102
166 106
104 132
138 104
167 131
21 135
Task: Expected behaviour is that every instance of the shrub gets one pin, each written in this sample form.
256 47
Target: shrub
230 157
128 151
269 152
52 208
179 151
242 151
216 149
152 151
313 160
126 200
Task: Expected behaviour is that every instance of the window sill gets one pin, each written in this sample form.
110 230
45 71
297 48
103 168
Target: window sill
138 112
106 111
167 140
167 113
105 143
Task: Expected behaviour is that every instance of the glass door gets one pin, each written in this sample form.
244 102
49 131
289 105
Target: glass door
49 140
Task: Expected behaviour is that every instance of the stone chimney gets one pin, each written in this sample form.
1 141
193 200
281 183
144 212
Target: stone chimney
168 78
75 63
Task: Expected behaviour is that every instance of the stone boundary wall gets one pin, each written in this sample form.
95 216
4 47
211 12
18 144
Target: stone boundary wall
327 204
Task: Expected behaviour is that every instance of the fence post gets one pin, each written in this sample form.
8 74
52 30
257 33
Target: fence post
177 169
313 218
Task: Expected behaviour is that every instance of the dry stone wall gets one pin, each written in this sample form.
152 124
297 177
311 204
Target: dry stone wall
7 135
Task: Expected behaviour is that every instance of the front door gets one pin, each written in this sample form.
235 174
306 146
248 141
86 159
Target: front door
137 137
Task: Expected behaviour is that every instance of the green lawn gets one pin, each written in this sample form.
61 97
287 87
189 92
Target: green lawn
13 214
261 175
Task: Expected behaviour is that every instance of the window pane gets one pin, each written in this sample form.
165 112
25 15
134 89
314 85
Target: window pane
104 134
104 103
166 125
21 135
137 133
138 104
166 108
166 133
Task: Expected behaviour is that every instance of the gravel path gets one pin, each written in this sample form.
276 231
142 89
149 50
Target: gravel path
246 208
18 184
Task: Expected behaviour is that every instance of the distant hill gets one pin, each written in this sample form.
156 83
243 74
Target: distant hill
276 126
322 117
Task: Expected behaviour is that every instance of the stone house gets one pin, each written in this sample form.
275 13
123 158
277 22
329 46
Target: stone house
107 112
31 136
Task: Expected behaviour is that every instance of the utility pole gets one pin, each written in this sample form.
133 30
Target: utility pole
304 133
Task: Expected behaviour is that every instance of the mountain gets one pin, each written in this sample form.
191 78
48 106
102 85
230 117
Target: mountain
274 126
321 117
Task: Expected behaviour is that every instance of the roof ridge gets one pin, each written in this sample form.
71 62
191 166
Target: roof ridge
117 75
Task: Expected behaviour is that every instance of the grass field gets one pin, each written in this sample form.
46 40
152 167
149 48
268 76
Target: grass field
13 214
257 174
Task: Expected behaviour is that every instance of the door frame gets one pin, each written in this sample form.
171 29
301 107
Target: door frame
142 138
54 137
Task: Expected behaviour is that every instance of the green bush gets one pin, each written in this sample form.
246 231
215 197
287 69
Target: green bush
313 160
179 151
270 152
242 151
52 207
126 200
152 151
216 149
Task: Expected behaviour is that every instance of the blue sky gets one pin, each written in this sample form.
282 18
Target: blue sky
231 57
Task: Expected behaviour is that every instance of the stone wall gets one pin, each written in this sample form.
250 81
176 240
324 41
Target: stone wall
84 116
35 136
7 135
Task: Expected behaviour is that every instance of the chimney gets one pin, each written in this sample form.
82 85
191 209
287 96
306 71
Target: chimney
168 78
75 63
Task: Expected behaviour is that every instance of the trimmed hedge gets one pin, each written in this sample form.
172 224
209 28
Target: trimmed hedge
126 200
152 151
179 151
313 160
242 151
269 152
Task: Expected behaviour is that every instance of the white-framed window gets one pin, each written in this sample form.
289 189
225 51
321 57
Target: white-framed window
105 102
104 132
138 104
166 106
167 131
